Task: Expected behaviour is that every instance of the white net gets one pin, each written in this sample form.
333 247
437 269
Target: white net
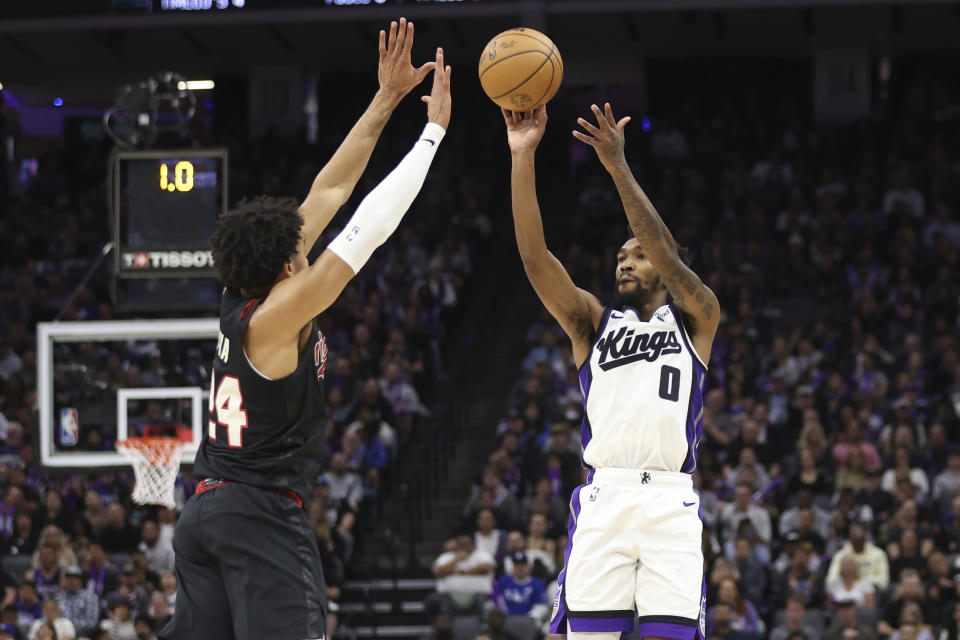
155 462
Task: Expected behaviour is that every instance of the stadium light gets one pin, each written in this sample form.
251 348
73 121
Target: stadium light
1 86
195 85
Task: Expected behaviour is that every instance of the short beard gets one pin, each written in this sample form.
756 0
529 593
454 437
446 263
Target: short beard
639 297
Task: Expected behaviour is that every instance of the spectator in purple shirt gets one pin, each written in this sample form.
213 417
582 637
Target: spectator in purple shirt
102 576
28 605
47 576
745 615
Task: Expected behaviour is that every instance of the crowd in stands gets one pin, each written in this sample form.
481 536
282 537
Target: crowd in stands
80 557
829 467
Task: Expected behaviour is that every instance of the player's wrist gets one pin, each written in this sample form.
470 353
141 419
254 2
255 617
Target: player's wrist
618 167
388 98
523 154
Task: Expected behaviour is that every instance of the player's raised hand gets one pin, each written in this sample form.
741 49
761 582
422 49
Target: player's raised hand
607 137
439 101
396 72
525 129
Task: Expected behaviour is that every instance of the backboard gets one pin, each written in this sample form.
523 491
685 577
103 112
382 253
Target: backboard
106 380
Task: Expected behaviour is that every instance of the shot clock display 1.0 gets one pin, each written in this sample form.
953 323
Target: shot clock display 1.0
166 204
182 178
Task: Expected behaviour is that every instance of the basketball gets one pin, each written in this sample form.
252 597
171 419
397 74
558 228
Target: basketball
520 69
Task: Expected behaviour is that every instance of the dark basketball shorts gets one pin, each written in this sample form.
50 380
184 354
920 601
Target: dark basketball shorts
247 568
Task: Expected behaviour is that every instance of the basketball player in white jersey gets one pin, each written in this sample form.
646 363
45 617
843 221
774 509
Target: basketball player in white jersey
635 526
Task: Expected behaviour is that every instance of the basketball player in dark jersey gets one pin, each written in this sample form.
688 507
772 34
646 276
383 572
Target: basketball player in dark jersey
247 562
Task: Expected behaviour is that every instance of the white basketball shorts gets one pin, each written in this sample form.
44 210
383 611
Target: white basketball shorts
635 541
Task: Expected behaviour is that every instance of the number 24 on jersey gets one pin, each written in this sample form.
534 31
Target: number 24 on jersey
227 403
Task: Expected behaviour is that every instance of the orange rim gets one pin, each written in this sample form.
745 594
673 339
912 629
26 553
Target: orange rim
155 451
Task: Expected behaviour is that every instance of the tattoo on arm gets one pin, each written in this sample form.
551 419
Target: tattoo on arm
649 229
673 283
643 218
681 275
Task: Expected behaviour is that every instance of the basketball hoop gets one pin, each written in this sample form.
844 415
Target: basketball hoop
155 462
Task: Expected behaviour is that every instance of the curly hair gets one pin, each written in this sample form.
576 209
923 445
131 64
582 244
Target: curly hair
682 252
252 242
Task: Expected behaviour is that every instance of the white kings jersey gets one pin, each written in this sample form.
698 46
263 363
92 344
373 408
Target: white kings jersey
642 393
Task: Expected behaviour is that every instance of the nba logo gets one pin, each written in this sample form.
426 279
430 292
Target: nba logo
593 494
353 233
69 427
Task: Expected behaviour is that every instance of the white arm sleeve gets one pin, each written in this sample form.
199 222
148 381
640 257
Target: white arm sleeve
381 211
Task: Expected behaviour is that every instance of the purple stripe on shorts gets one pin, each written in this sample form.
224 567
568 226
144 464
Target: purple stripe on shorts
602 624
702 618
572 524
667 630
558 622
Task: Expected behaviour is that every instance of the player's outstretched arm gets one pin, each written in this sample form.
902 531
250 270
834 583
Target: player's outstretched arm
294 301
335 182
688 291
577 311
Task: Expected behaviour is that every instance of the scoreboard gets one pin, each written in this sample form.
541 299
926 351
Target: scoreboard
165 205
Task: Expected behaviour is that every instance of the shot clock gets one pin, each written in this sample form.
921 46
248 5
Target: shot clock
165 207
180 180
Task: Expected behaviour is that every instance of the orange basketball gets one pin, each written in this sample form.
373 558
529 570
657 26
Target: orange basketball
520 69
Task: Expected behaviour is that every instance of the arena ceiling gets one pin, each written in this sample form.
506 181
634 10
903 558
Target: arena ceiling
343 35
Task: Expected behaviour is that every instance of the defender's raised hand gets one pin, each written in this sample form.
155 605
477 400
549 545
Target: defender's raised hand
606 137
439 101
396 72
525 130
